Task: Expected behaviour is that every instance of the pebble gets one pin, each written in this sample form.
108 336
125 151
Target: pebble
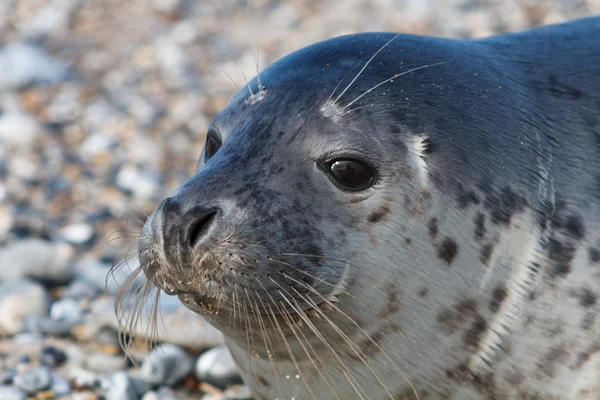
46 325
60 386
11 393
237 392
52 357
38 259
82 378
216 366
66 311
19 300
177 324
81 289
122 387
34 380
22 64
77 233
166 365
19 128
105 363
142 182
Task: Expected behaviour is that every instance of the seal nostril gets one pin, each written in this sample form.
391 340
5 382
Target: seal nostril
199 225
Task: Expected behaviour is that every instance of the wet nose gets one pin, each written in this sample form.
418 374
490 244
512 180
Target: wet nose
189 228
196 225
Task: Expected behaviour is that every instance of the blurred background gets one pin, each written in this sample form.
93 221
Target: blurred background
104 106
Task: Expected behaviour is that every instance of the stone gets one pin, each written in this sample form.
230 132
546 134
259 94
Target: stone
122 387
22 64
166 365
34 380
42 260
19 300
11 393
216 366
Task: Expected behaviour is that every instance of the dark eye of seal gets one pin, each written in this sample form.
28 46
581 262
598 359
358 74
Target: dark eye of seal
213 144
352 175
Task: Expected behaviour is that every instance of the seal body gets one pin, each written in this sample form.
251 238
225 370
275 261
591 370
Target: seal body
467 263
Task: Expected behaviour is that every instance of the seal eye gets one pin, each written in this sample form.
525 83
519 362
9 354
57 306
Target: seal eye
352 175
213 144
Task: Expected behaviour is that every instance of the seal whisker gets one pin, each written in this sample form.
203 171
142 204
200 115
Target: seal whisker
350 343
269 347
341 291
287 345
317 368
331 304
365 66
389 80
319 335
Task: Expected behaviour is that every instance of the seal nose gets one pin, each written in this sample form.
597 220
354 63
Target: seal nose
188 228
196 225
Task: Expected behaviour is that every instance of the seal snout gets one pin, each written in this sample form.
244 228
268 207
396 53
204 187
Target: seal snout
174 239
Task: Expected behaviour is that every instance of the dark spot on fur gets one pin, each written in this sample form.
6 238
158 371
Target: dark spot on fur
448 250
504 205
498 296
452 318
556 357
393 300
588 321
432 227
479 226
561 255
558 89
574 227
483 383
466 198
472 336
379 214
585 356
587 298
423 292
407 241
486 253
594 254
263 381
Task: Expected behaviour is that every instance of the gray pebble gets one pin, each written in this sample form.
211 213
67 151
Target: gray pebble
77 233
178 326
67 311
19 300
237 392
35 380
38 259
81 289
22 64
46 325
19 128
216 366
52 357
60 386
166 393
11 393
105 363
82 378
151 395
166 365
122 387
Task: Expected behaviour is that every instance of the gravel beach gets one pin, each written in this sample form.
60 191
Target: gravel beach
104 107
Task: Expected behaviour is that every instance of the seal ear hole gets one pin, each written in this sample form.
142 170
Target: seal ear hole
351 174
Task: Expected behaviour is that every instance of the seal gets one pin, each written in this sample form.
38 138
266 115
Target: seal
398 216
